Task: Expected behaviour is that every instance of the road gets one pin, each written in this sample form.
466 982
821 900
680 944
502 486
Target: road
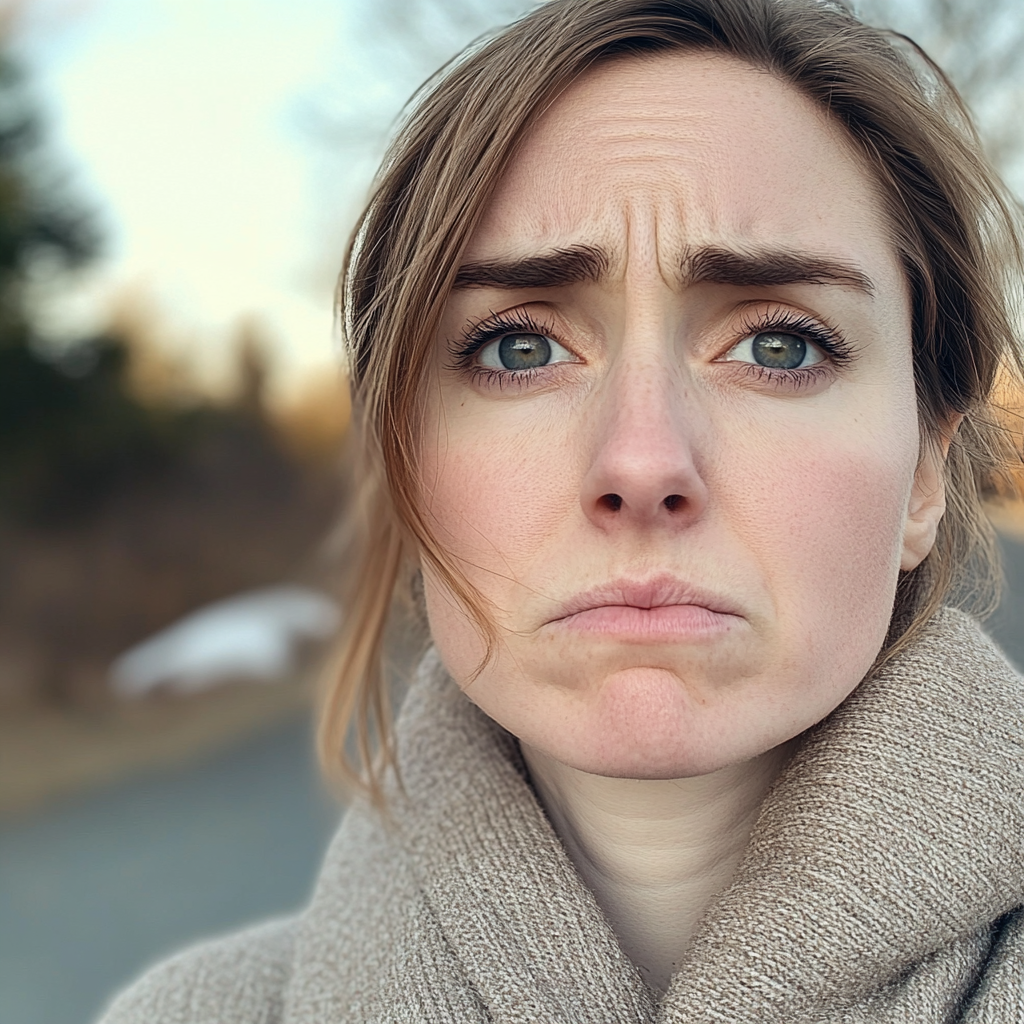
93 890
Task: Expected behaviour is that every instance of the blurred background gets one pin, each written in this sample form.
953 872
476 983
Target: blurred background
177 183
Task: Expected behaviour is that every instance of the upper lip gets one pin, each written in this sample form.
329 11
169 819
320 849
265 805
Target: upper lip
654 592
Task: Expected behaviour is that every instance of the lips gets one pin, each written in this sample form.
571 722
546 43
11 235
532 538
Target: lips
661 607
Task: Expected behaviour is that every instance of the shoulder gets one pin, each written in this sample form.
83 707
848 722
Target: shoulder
240 978
955 668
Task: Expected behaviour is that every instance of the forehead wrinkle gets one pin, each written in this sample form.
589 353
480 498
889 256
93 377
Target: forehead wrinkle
633 139
603 152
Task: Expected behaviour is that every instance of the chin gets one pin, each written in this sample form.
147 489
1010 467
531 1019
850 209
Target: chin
641 723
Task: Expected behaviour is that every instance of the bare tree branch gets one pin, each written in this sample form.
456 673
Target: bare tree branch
979 46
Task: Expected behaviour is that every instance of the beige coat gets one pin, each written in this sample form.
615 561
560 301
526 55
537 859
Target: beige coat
884 882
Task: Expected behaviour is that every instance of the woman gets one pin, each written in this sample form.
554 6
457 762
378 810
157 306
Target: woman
673 327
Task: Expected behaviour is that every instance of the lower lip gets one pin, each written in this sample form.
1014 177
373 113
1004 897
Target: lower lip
667 622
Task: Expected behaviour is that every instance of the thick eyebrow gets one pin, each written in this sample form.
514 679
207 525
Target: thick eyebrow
546 270
756 268
707 264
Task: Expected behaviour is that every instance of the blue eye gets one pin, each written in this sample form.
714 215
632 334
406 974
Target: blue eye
522 351
776 350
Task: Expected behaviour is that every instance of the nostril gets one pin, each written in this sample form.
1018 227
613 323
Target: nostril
673 502
612 502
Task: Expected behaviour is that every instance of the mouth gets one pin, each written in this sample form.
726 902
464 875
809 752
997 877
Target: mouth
660 608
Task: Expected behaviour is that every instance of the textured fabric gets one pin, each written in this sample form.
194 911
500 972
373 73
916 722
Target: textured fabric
884 882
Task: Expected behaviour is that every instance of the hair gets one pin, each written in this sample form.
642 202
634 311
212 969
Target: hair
954 228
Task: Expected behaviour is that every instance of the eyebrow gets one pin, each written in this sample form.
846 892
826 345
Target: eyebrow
710 264
546 270
756 268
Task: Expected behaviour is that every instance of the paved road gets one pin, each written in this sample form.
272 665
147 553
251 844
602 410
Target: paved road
92 890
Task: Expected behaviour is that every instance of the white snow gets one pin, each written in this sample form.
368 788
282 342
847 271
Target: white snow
254 636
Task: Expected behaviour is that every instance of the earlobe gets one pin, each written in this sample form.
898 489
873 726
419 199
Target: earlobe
927 500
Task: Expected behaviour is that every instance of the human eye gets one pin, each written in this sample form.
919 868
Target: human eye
506 346
789 347
776 350
522 350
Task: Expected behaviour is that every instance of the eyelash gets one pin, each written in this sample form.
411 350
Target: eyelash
480 332
829 339
826 337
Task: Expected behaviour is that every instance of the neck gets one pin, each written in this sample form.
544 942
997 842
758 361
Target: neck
654 852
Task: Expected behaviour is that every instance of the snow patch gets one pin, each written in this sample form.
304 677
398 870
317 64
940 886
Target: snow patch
255 636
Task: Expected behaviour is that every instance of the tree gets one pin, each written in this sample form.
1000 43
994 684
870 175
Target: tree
42 229
69 426
979 46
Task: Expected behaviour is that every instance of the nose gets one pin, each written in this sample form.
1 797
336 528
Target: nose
644 470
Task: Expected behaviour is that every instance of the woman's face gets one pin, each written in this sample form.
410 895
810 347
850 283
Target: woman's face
671 432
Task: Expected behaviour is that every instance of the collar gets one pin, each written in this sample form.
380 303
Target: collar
893 832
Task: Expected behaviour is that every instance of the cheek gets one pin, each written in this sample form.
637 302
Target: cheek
496 496
826 528
809 513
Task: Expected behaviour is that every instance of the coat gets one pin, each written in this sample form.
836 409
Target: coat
883 883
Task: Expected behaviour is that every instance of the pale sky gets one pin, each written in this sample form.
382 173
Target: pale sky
228 145
204 131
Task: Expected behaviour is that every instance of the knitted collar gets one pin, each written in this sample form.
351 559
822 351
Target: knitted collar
894 832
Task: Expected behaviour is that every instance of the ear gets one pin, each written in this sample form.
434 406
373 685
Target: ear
927 499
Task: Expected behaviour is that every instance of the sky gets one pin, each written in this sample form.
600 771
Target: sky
228 145
211 137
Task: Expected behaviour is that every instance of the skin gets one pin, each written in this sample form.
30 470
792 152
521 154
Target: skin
654 448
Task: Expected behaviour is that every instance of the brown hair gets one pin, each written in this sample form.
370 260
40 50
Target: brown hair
954 229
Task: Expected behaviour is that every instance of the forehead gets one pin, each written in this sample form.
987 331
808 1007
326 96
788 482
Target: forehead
655 155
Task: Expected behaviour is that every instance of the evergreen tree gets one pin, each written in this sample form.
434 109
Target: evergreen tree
69 427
